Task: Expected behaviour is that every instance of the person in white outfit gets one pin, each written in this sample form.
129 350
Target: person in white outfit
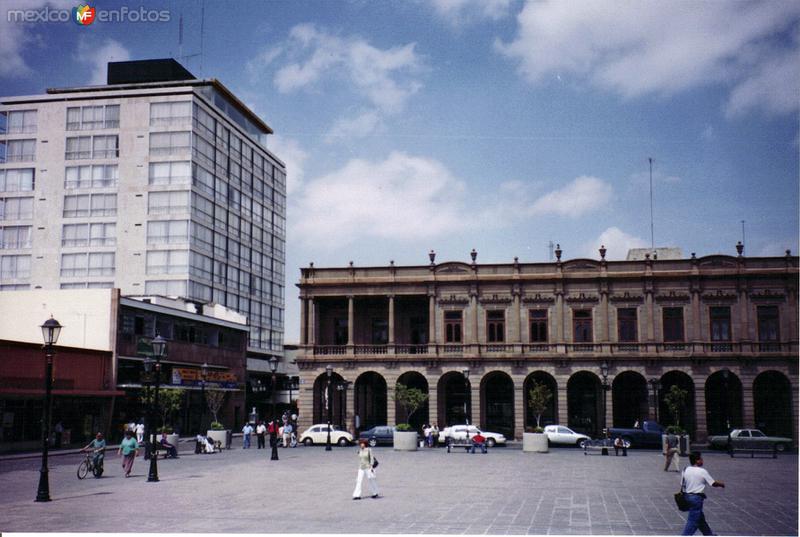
365 469
140 432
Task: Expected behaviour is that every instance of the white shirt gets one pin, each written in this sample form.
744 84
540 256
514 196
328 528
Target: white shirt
261 429
695 479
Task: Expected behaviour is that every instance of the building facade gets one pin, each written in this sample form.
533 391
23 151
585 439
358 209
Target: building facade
156 184
609 338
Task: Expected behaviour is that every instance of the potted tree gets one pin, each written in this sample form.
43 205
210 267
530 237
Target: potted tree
534 440
675 399
215 399
410 400
170 402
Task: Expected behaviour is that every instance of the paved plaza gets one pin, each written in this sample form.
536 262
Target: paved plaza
428 491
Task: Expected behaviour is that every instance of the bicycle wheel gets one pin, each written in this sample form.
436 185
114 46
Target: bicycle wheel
83 469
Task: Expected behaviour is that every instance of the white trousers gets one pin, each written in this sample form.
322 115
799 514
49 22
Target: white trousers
373 482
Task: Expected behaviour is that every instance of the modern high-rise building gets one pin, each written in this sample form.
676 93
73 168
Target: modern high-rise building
157 184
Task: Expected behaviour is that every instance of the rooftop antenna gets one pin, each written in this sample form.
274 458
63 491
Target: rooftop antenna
202 33
180 36
743 243
550 249
652 235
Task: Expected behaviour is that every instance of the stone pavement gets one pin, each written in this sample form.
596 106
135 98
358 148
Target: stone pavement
428 491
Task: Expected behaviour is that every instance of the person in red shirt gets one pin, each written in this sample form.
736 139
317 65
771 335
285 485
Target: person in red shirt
478 441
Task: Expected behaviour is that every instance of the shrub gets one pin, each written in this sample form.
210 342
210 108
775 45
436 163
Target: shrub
675 429
167 430
217 426
534 429
403 427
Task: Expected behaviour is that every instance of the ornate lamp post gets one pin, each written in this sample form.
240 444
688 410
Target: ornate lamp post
342 389
329 371
273 437
203 378
50 331
159 351
467 396
655 385
606 387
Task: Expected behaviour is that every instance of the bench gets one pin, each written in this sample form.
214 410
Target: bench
772 450
468 445
598 445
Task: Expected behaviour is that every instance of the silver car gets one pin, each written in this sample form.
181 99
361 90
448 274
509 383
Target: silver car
558 434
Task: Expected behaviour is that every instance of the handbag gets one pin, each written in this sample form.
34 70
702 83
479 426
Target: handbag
680 498
374 462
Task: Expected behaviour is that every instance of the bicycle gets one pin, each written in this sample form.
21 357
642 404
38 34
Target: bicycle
88 465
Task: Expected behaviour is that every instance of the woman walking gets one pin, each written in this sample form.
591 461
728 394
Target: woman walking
365 468
128 448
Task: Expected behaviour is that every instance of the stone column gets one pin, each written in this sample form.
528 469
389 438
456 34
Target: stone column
303 321
559 324
519 406
701 429
433 401
391 319
473 318
312 322
432 320
350 319
475 402
562 408
650 313
609 402
391 415
748 404
696 330
604 332
515 335
745 330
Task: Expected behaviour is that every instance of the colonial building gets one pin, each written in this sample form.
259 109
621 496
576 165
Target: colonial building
610 338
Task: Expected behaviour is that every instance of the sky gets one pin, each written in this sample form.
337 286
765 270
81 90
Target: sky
499 125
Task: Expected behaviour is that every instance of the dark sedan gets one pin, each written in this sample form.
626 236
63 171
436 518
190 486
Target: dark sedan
380 434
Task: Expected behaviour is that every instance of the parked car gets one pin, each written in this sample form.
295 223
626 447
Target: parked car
558 434
380 434
318 434
750 438
648 435
460 432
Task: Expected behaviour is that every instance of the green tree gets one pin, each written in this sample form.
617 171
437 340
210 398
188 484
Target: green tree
675 399
409 399
538 400
170 401
215 399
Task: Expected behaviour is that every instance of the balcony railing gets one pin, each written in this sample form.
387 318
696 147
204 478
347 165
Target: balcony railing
517 350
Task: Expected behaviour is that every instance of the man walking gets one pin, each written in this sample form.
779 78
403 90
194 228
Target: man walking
261 431
695 479
247 430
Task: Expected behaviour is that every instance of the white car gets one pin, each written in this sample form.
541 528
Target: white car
459 432
558 434
318 434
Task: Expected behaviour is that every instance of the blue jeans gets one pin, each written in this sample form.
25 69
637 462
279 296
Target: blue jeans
246 441
696 520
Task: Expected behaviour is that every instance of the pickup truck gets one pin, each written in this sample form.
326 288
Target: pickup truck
648 435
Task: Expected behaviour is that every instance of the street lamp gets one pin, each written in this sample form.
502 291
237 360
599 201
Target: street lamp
604 373
203 378
159 345
50 331
273 439
726 400
467 396
655 385
342 389
329 371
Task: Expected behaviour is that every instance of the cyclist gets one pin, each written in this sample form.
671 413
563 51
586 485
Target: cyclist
98 445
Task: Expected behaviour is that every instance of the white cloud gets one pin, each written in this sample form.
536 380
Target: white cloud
617 244
582 195
459 12
403 197
263 60
364 124
16 37
636 48
382 76
294 156
109 51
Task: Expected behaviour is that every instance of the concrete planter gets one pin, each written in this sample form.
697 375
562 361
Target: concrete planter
534 442
218 436
405 441
172 439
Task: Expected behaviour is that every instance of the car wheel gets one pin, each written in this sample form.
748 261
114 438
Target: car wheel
373 442
490 442
780 448
343 441
581 443
308 442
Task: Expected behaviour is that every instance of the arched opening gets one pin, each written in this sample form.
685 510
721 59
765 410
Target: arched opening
772 400
629 399
723 402
413 379
497 403
549 416
321 398
453 398
369 399
584 403
685 417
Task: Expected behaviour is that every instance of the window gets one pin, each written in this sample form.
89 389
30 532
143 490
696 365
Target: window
76 206
75 235
720 317
103 234
15 266
97 176
626 324
20 180
83 147
200 266
168 262
495 326
105 146
168 202
380 331
170 173
168 232
16 208
340 331
165 287
202 209
18 151
768 323
538 326
14 237
673 324
101 264
92 117
202 237
74 265
582 326
78 147
452 326
103 205
170 113
20 122
168 143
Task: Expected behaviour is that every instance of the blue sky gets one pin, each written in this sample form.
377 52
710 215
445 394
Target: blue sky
497 125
